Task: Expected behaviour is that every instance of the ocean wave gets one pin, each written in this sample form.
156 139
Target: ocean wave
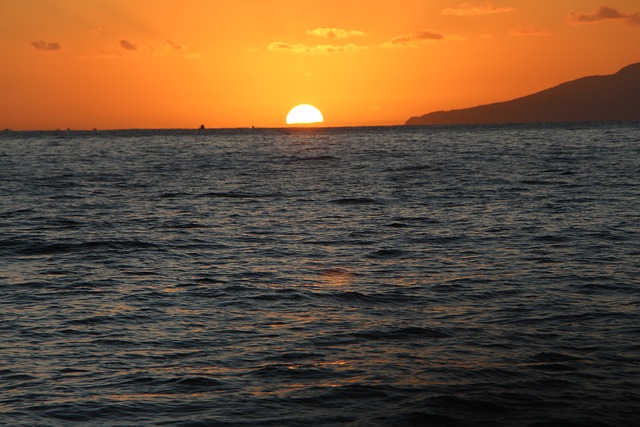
235 195
323 158
402 334
355 201
41 247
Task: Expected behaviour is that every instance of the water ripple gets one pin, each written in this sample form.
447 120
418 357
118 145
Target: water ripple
467 275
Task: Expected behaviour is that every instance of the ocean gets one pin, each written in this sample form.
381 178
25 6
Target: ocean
366 276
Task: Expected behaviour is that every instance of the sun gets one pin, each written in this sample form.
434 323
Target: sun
304 114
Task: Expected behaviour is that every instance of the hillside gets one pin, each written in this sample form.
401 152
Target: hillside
614 97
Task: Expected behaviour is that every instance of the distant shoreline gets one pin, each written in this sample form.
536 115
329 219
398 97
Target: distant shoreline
588 99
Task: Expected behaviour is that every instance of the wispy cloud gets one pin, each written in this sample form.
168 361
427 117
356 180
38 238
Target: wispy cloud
127 45
604 13
159 48
174 46
336 33
468 9
165 48
414 39
528 31
303 48
46 46
407 40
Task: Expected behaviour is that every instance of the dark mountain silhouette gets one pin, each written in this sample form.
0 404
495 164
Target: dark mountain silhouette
614 97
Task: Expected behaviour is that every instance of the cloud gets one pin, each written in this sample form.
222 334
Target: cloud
633 19
528 31
126 44
467 9
413 39
409 40
285 47
174 46
157 48
336 33
604 13
303 48
164 48
46 46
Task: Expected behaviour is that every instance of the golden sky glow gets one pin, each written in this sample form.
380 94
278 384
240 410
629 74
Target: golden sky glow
164 64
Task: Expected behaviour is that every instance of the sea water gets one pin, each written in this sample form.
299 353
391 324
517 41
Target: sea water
386 276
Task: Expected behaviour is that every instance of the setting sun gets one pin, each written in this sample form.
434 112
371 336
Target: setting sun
304 114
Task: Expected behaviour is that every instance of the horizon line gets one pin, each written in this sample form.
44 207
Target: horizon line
197 129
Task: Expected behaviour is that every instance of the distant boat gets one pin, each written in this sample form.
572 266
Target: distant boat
202 127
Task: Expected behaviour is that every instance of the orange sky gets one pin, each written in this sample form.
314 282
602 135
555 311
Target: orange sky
177 64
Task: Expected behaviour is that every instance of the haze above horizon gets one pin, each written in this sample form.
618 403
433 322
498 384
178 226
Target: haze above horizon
158 64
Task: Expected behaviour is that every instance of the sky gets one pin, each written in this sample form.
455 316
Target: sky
120 64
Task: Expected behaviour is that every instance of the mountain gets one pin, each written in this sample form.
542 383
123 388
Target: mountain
614 97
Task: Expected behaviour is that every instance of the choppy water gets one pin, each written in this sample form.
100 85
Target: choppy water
329 277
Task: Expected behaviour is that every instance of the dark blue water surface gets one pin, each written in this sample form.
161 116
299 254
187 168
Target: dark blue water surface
401 276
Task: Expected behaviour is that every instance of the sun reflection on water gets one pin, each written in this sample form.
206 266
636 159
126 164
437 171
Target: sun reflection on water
337 277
